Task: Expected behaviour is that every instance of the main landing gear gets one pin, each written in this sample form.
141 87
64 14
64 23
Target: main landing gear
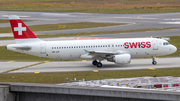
153 61
96 63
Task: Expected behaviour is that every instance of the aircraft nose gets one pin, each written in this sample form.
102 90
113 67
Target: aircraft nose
174 49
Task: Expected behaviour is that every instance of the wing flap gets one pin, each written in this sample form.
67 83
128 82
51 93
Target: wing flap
108 52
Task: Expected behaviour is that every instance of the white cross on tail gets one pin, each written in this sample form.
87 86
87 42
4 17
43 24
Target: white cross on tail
19 28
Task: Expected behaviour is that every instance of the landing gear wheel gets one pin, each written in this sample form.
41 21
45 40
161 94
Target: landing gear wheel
94 62
154 62
99 64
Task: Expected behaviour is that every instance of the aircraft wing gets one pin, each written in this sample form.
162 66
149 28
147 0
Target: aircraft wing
104 54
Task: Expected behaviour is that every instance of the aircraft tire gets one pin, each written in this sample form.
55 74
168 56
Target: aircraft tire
99 65
154 62
94 63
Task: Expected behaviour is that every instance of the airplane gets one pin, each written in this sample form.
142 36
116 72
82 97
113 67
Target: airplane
118 51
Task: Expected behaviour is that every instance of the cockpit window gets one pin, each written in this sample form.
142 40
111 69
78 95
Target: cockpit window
166 43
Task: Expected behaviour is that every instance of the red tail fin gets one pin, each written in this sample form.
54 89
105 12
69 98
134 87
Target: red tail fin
20 30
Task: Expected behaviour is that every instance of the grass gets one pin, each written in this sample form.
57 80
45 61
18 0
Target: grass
92 33
49 27
107 32
10 55
90 6
53 78
93 6
4 21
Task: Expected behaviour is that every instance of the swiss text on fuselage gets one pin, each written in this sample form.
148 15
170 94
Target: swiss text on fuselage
137 44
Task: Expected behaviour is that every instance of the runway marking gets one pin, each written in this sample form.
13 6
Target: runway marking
93 35
122 33
62 26
83 60
36 72
95 71
152 68
11 61
173 29
24 67
149 31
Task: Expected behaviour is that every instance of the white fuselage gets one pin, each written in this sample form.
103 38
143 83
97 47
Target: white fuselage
74 49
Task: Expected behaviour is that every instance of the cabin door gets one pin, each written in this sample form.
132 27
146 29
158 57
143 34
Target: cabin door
155 45
43 48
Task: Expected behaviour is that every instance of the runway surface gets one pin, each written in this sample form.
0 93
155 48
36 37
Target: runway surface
82 66
135 21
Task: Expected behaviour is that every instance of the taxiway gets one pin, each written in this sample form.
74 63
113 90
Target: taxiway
84 66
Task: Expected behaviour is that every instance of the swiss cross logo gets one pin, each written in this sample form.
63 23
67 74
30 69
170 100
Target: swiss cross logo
19 28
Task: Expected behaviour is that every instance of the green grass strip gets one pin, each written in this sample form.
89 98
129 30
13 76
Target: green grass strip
93 6
4 21
54 78
107 32
93 33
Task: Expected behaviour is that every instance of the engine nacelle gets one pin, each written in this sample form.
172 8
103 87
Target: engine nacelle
120 59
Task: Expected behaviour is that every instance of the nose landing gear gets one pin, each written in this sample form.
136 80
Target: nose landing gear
153 60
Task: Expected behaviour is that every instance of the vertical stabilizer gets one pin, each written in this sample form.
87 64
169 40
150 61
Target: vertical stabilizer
22 34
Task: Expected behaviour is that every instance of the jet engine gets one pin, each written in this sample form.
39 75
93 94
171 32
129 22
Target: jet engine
120 59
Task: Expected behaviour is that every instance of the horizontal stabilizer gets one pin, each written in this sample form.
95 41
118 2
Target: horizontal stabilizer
23 47
19 46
